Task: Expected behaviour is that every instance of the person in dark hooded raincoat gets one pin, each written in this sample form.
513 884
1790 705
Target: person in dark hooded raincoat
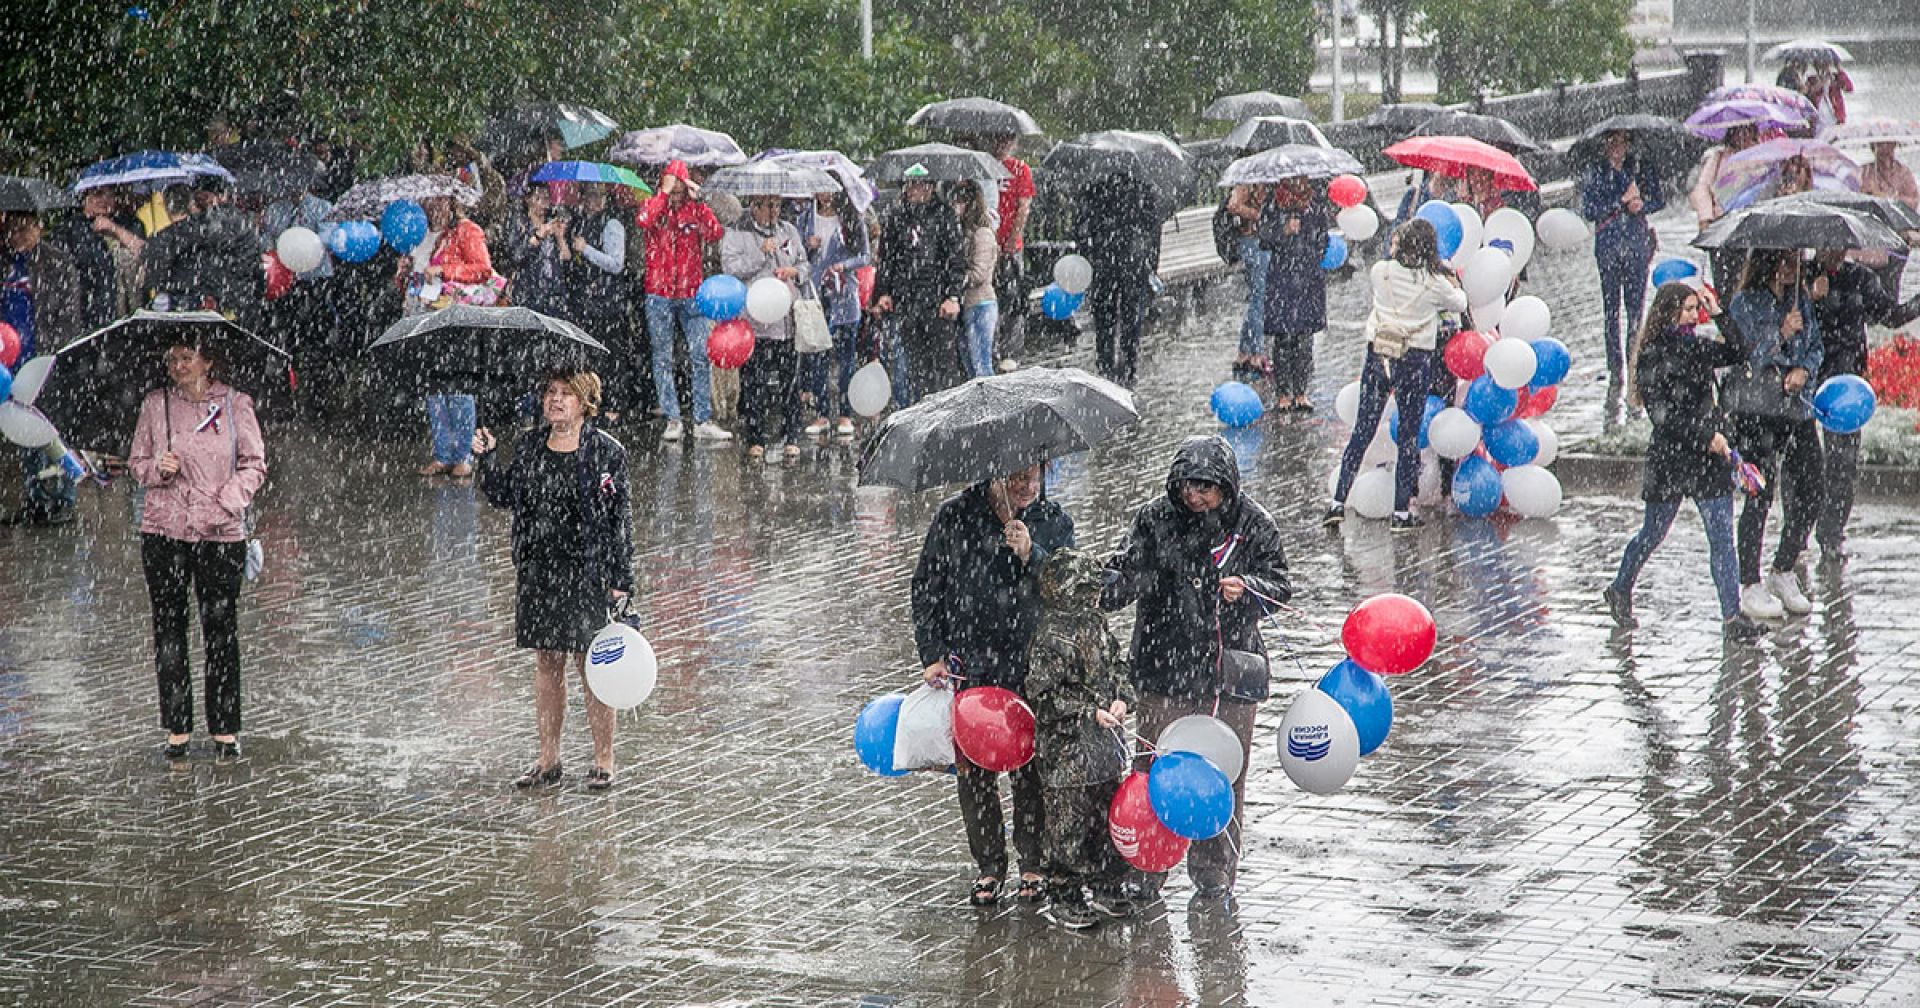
1293 229
1204 562
1116 225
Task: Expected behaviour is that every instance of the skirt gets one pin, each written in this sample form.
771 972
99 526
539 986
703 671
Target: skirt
558 611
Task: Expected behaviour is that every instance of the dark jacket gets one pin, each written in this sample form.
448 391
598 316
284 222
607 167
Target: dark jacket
1854 298
1757 315
1167 565
538 274
1619 236
56 298
972 597
595 292
1116 225
1296 294
212 256
605 498
1075 668
93 261
1675 378
923 255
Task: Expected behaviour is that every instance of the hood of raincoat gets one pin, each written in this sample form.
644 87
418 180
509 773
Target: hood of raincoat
1205 457
1071 582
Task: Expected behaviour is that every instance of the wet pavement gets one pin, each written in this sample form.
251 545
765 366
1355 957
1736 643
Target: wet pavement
1564 814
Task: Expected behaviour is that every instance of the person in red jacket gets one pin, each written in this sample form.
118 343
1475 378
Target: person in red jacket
451 264
678 227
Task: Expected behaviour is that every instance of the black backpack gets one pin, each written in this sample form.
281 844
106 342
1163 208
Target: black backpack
1226 234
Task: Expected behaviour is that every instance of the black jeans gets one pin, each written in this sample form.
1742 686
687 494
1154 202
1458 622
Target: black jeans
1119 322
1010 289
934 349
1840 470
1786 450
1293 363
986 822
1407 380
214 571
769 390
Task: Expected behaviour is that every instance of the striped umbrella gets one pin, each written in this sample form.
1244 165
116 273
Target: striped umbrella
590 171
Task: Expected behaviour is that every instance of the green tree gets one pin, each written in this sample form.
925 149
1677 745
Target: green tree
1520 45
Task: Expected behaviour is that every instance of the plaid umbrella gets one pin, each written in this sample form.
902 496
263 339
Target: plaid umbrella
155 167
772 178
698 148
1290 161
366 200
851 177
590 171
977 116
30 195
1247 104
1747 175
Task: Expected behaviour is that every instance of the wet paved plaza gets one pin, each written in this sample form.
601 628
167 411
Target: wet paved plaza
1564 814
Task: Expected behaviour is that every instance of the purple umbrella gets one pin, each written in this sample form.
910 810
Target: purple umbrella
1752 173
1761 106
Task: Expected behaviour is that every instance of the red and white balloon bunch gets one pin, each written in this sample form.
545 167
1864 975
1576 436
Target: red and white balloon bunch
1349 712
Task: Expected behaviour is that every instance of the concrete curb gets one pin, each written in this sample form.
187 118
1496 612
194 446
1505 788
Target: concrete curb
1583 473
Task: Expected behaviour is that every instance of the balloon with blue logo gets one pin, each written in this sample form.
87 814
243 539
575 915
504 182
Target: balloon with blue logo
1487 403
1511 442
1551 360
354 241
1057 304
621 667
1363 695
1844 403
1236 404
1336 254
1667 271
874 731
721 297
1476 487
1189 795
1319 744
404 225
1446 226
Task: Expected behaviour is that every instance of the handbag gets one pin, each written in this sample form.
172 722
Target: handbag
810 331
1244 676
1390 341
1759 391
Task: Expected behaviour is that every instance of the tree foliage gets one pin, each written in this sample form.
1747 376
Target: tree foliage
1521 45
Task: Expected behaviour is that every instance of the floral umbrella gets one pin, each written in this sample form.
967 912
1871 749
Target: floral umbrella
1750 175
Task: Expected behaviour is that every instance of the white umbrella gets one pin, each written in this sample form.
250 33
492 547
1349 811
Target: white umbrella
1873 130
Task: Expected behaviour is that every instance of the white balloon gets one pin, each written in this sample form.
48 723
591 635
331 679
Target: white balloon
1487 317
1371 495
25 426
1453 433
1527 318
1319 746
1073 273
30 378
300 249
1427 488
1488 273
1358 222
768 300
1510 362
1381 451
1513 226
1531 490
1549 441
1471 229
1346 405
1208 736
621 668
1561 228
869 390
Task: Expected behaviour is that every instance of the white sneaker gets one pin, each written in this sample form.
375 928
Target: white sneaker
674 432
844 428
711 431
1786 588
818 427
1008 364
1757 603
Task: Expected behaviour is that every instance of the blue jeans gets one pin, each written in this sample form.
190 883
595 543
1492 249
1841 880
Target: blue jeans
825 375
1717 515
451 418
981 320
662 312
1411 376
1253 332
45 497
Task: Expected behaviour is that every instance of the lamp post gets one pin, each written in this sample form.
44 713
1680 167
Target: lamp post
1339 95
866 30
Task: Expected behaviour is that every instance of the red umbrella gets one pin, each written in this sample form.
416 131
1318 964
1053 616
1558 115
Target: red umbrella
1453 155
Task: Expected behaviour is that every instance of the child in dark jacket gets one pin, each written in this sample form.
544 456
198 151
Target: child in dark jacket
1078 685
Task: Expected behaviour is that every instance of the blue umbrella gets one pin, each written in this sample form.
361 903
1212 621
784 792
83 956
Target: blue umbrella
164 167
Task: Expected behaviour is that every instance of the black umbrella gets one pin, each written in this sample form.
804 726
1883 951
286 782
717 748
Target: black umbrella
1797 224
493 353
1487 129
1893 213
993 426
521 133
1662 142
975 117
1246 105
1401 118
939 162
94 391
270 168
31 195
1266 132
1149 157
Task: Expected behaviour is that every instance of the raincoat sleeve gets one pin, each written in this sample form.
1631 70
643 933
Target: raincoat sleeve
1670 408
250 458
652 215
149 436
932 583
1806 350
1130 568
1049 684
1265 561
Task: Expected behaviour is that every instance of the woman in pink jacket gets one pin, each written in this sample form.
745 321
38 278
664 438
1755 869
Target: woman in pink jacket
199 459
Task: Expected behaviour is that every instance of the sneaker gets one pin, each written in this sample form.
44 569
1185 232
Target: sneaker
817 427
1112 904
675 431
1741 628
844 428
1404 523
1336 513
1786 587
1074 916
1620 604
711 431
1757 603
1008 365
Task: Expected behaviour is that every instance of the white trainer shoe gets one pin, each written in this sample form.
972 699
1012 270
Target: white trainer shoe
674 432
711 431
1008 365
1786 588
1757 603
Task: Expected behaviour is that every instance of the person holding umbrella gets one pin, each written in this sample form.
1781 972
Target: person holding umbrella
1293 229
1618 192
838 242
980 309
922 272
759 246
567 486
1886 176
1010 273
1706 203
199 459
1116 225
597 288
453 255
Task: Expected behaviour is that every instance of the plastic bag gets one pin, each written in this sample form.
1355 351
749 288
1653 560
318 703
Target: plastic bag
924 739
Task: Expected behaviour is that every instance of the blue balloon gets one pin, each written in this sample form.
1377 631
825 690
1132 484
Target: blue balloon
404 225
1844 403
1511 442
1059 305
1336 254
1236 404
1476 487
1446 226
1432 409
721 297
1365 697
1488 403
1246 442
1669 270
6 383
353 241
873 733
1551 362
1190 795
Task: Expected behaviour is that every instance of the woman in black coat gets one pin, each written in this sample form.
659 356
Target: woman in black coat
1293 229
572 555
1116 225
1688 456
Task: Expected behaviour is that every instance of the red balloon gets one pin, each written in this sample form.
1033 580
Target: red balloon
1533 403
1389 634
1466 354
9 345
1347 190
730 343
993 728
1137 833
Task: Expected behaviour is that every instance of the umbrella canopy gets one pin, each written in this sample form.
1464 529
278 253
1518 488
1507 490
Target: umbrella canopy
1265 132
1152 158
1817 51
1872 130
772 178
30 195
1761 106
1798 224
589 171
995 425
1660 141
1451 156
1401 118
521 133
1290 161
1749 175
696 147
270 168
1491 130
852 177
153 167
1891 212
1246 105
975 116
943 163
94 391
494 353
366 200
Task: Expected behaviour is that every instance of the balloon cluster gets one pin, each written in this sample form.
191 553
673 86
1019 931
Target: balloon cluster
20 421
1072 276
992 726
1186 794
1349 711
1357 221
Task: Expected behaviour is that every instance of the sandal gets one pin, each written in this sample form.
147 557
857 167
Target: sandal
1032 889
986 891
599 779
538 775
